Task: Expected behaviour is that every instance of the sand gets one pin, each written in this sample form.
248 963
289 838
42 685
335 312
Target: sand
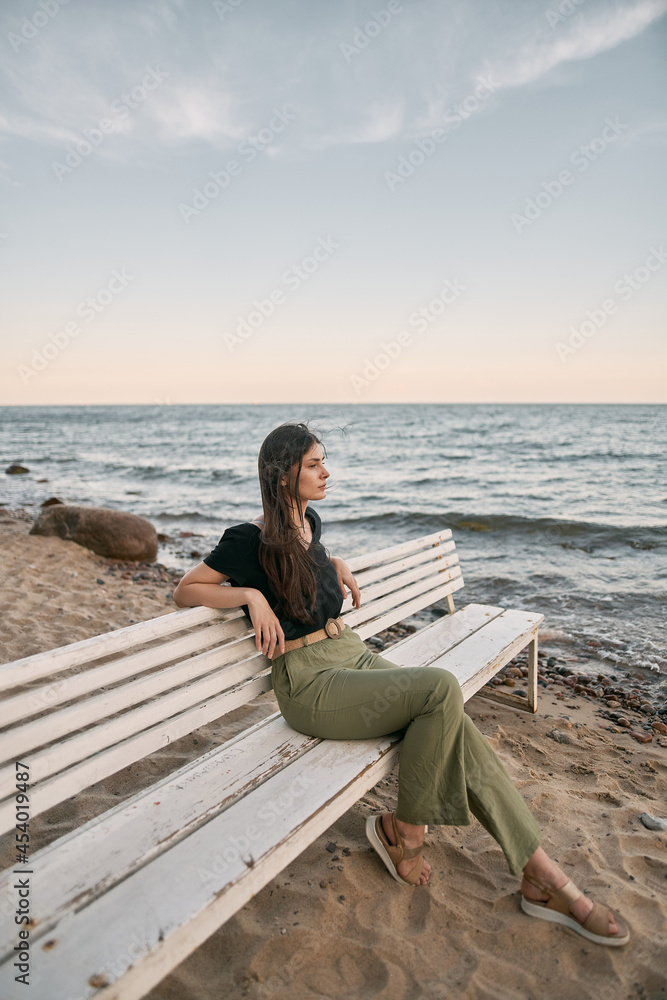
334 924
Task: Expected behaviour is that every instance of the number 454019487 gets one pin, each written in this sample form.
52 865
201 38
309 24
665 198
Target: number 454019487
22 811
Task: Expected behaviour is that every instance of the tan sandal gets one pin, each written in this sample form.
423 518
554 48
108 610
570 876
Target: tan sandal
391 854
557 909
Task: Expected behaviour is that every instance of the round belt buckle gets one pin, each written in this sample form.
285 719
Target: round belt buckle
336 625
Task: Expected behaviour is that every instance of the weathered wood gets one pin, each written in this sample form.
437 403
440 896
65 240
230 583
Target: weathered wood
56 692
87 861
424 557
423 589
31 668
109 759
493 694
161 871
395 552
229 665
533 667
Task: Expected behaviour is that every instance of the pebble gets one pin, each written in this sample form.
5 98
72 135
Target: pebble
510 682
559 736
659 727
641 737
653 822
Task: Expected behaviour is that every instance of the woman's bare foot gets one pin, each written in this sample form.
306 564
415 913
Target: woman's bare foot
412 836
543 869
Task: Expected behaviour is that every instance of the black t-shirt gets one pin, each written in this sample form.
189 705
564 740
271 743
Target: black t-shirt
237 556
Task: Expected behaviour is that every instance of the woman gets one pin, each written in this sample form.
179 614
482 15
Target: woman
326 681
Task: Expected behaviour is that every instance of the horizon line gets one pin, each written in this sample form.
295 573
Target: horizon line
421 402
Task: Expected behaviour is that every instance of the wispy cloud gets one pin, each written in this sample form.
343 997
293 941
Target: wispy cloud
224 78
197 109
583 36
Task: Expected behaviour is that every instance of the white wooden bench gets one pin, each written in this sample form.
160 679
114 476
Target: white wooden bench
118 903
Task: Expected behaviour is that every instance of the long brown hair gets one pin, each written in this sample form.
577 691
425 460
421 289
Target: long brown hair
288 564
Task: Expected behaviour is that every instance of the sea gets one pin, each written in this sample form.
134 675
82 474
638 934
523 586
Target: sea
559 509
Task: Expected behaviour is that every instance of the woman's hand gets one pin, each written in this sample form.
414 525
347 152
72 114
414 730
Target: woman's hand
345 579
268 633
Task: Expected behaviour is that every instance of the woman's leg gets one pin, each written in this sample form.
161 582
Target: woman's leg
339 689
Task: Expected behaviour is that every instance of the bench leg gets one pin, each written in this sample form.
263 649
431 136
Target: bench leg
528 704
451 607
532 674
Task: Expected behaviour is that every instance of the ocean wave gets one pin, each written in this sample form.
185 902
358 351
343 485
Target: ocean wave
643 537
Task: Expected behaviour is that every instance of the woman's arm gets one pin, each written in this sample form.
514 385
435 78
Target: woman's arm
345 579
201 587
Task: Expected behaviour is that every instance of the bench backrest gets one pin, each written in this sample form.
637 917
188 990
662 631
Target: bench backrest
98 705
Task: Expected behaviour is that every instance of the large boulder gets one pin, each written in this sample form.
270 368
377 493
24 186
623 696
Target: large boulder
109 533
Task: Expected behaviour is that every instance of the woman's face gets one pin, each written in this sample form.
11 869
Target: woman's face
312 481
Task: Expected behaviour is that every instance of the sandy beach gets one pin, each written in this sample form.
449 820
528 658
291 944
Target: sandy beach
334 924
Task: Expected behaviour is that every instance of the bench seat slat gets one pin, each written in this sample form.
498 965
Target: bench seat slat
108 760
419 588
160 710
433 571
83 863
56 692
369 575
367 626
225 661
393 552
31 668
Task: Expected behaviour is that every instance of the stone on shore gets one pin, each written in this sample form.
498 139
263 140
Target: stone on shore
111 533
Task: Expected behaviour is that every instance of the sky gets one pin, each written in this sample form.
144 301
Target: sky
245 201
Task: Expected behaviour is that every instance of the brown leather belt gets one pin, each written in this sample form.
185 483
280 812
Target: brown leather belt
333 629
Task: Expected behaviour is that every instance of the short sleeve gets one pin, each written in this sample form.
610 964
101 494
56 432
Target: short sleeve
235 554
317 524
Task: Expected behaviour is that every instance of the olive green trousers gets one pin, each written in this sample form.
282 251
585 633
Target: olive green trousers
339 689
